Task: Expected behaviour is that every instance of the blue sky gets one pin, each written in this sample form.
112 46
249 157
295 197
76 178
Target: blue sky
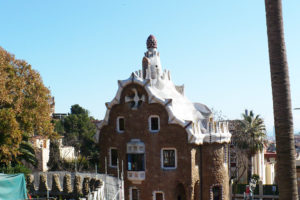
217 49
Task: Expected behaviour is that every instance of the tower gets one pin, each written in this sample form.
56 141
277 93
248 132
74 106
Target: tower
151 61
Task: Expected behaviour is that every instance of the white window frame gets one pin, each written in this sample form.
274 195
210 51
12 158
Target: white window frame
118 126
155 192
162 158
149 123
130 192
110 157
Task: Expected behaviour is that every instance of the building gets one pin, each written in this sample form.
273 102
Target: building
171 148
41 145
263 162
270 164
66 152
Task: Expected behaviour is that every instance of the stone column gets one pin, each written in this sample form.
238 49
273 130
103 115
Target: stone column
77 186
56 187
43 186
67 184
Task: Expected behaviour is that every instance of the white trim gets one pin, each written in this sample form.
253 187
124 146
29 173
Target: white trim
135 146
155 192
118 125
149 123
130 192
110 161
193 132
162 158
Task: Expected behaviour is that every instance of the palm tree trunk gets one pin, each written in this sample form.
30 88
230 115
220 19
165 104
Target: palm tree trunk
249 170
281 102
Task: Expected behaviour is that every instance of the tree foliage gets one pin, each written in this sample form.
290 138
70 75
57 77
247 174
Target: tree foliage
25 105
251 133
55 161
78 130
250 136
10 135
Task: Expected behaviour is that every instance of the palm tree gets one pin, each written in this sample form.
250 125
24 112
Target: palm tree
283 119
27 153
250 137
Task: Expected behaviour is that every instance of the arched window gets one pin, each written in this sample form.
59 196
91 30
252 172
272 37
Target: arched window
158 195
113 157
133 193
216 192
154 123
120 124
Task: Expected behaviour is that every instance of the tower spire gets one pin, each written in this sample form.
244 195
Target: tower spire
151 42
151 61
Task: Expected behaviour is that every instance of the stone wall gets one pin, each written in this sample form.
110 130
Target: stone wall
214 171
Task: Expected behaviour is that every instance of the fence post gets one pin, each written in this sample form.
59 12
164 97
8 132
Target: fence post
261 190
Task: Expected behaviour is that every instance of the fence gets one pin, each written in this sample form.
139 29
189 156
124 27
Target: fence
263 192
89 186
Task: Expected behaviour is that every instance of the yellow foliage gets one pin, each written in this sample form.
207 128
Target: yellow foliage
27 102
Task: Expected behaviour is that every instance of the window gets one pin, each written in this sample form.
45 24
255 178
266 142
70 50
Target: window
168 158
217 193
120 124
134 194
158 195
113 157
135 162
154 123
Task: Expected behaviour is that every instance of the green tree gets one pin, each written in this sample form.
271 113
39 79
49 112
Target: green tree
27 152
25 106
250 137
55 162
78 130
283 120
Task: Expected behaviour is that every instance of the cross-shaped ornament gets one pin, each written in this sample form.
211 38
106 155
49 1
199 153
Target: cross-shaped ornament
135 99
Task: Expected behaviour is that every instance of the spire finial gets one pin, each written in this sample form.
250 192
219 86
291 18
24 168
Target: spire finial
151 42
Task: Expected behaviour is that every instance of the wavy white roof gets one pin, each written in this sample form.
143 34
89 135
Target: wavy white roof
194 117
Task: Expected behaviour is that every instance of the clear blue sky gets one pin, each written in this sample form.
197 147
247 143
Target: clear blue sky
218 49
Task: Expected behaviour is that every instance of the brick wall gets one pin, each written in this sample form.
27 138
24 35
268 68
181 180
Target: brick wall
180 181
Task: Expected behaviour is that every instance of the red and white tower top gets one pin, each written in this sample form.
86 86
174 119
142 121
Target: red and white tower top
151 42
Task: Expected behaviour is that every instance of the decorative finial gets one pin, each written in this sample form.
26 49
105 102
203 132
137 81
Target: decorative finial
151 42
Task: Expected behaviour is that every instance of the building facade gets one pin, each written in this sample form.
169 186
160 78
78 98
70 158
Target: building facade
170 147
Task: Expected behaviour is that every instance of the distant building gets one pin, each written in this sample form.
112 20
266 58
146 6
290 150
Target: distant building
270 157
66 152
41 146
171 148
263 162
59 116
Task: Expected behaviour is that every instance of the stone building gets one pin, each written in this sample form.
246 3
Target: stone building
171 148
41 145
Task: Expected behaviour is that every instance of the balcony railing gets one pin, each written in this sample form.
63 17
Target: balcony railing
136 175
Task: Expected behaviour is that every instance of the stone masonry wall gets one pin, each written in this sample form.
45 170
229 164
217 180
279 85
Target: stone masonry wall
169 136
214 171
184 181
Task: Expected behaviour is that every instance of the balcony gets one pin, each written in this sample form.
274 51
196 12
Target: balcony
136 176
